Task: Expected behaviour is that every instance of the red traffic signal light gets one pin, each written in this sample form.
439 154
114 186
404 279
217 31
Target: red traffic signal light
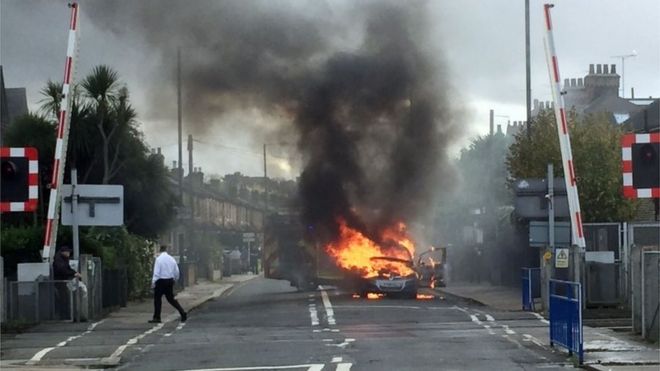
19 179
9 169
640 155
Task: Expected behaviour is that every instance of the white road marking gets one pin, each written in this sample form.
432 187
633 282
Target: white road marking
135 339
490 331
179 327
328 308
534 340
313 314
337 359
540 318
475 319
309 367
489 318
508 330
40 354
344 344
464 310
344 366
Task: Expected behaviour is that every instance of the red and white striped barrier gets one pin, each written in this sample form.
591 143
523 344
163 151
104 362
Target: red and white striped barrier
627 142
562 130
33 179
52 219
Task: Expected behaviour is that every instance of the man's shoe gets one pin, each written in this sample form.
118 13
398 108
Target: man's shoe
154 320
184 317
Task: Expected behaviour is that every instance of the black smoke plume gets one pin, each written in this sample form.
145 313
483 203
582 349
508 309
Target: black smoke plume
357 85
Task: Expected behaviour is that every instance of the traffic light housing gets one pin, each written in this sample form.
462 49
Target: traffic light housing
19 179
641 165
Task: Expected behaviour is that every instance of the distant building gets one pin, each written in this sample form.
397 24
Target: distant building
13 104
648 119
598 92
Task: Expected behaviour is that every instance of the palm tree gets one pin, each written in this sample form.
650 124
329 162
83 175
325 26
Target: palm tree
52 101
101 89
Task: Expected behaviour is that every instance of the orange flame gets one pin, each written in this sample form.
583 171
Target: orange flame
356 252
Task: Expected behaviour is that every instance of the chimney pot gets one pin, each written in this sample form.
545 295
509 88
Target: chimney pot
499 128
158 150
591 69
580 82
573 83
536 103
606 69
613 69
599 69
567 83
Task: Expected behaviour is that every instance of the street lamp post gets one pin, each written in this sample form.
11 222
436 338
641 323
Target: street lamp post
623 70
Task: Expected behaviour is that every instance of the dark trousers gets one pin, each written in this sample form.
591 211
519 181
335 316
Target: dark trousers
63 300
165 287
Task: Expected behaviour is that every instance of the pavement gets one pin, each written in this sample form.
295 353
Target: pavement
604 348
101 344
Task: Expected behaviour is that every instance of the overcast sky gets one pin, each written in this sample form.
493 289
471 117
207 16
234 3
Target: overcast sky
480 43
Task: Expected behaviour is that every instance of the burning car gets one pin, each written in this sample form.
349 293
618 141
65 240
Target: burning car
378 263
391 280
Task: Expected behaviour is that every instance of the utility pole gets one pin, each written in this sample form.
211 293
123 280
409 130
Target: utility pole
492 122
528 73
178 116
190 155
265 183
182 238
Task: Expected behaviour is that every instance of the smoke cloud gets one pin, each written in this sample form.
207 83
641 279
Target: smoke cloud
356 85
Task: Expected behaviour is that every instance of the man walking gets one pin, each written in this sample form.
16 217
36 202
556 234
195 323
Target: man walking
166 272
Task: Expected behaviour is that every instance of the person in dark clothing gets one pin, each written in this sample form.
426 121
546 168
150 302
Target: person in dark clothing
61 268
62 271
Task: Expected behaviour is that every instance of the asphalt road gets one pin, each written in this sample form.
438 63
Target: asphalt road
266 325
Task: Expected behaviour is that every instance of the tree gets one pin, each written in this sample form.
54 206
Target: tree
595 143
106 146
110 112
482 166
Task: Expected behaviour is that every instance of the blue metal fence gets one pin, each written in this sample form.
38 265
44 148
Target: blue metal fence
531 287
566 316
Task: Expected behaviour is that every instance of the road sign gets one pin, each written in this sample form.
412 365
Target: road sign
97 204
249 237
561 258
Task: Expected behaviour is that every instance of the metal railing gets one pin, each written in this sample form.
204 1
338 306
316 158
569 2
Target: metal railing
37 301
531 287
566 317
115 287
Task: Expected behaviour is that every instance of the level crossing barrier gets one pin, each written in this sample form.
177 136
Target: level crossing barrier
531 287
566 317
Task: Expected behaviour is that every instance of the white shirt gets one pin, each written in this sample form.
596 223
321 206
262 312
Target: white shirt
165 267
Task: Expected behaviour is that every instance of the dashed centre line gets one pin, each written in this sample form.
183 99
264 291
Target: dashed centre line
328 308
